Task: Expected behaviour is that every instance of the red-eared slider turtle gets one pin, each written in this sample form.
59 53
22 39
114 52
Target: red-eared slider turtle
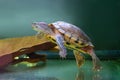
66 35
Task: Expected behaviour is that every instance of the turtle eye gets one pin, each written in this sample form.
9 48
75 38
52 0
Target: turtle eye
34 23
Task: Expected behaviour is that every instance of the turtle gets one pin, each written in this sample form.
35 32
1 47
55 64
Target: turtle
67 35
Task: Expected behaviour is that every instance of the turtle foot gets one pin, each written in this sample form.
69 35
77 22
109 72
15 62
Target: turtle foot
96 64
62 54
97 68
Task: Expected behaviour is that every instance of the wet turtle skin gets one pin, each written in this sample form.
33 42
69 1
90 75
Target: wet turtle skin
70 36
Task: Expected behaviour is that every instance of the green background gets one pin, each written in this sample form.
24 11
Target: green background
100 19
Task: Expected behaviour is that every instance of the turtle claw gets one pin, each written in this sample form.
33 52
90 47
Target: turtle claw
97 68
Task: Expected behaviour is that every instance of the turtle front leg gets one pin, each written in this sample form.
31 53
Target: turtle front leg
60 43
79 58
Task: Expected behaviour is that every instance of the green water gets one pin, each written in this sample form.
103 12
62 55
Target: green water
61 70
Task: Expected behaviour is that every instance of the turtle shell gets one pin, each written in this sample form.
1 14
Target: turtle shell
72 34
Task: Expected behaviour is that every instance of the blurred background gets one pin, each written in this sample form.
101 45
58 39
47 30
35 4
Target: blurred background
100 19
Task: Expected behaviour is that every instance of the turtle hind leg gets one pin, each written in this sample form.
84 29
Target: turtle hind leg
96 61
79 58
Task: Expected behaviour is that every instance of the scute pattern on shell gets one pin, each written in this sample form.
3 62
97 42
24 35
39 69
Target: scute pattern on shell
73 32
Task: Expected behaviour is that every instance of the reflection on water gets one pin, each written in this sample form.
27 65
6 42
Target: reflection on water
61 70
110 71
82 75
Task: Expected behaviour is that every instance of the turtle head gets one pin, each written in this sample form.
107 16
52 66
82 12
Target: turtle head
41 27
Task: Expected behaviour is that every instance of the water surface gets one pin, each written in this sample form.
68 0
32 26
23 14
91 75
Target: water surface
61 70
